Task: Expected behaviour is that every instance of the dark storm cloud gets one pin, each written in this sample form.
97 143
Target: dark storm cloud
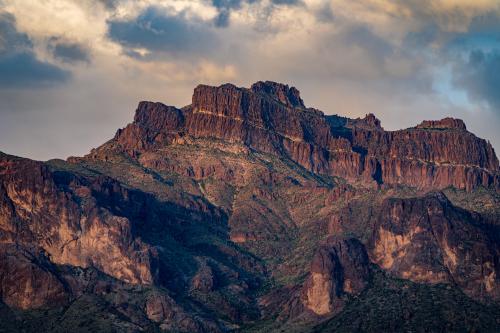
473 54
69 52
486 25
286 2
19 66
324 14
435 25
364 38
224 8
157 31
10 39
483 32
417 40
480 77
222 18
23 70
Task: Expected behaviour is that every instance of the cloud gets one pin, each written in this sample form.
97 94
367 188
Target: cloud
19 66
23 70
465 38
224 8
286 2
156 30
480 77
364 38
108 4
69 52
10 39
222 18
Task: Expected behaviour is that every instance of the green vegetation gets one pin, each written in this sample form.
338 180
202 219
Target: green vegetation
88 313
393 305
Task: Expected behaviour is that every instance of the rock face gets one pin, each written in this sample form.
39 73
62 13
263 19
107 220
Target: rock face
429 240
27 281
339 267
446 123
38 211
289 96
429 157
163 310
272 118
204 279
269 117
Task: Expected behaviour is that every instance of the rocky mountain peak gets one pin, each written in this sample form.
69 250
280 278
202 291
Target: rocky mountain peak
271 117
157 116
290 96
230 100
445 123
370 121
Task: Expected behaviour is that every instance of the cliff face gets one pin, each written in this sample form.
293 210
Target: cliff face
339 267
272 118
66 218
27 281
458 248
246 207
435 154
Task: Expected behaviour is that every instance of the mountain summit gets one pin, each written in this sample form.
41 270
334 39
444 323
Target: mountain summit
247 211
272 118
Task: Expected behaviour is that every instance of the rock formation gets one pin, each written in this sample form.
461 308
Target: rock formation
272 118
67 219
458 248
339 267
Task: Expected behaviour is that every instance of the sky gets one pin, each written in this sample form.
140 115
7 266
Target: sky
73 71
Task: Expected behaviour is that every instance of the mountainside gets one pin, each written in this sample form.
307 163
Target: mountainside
247 211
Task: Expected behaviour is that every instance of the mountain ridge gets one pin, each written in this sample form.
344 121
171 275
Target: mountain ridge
431 154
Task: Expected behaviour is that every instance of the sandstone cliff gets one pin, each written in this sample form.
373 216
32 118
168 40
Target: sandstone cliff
272 118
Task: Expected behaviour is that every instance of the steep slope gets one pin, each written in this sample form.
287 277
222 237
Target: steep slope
248 211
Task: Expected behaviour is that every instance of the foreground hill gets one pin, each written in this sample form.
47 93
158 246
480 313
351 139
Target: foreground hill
248 211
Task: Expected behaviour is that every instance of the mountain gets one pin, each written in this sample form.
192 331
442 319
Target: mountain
247 211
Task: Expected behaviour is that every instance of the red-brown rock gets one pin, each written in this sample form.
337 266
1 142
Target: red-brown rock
429 240
339 267
272 118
